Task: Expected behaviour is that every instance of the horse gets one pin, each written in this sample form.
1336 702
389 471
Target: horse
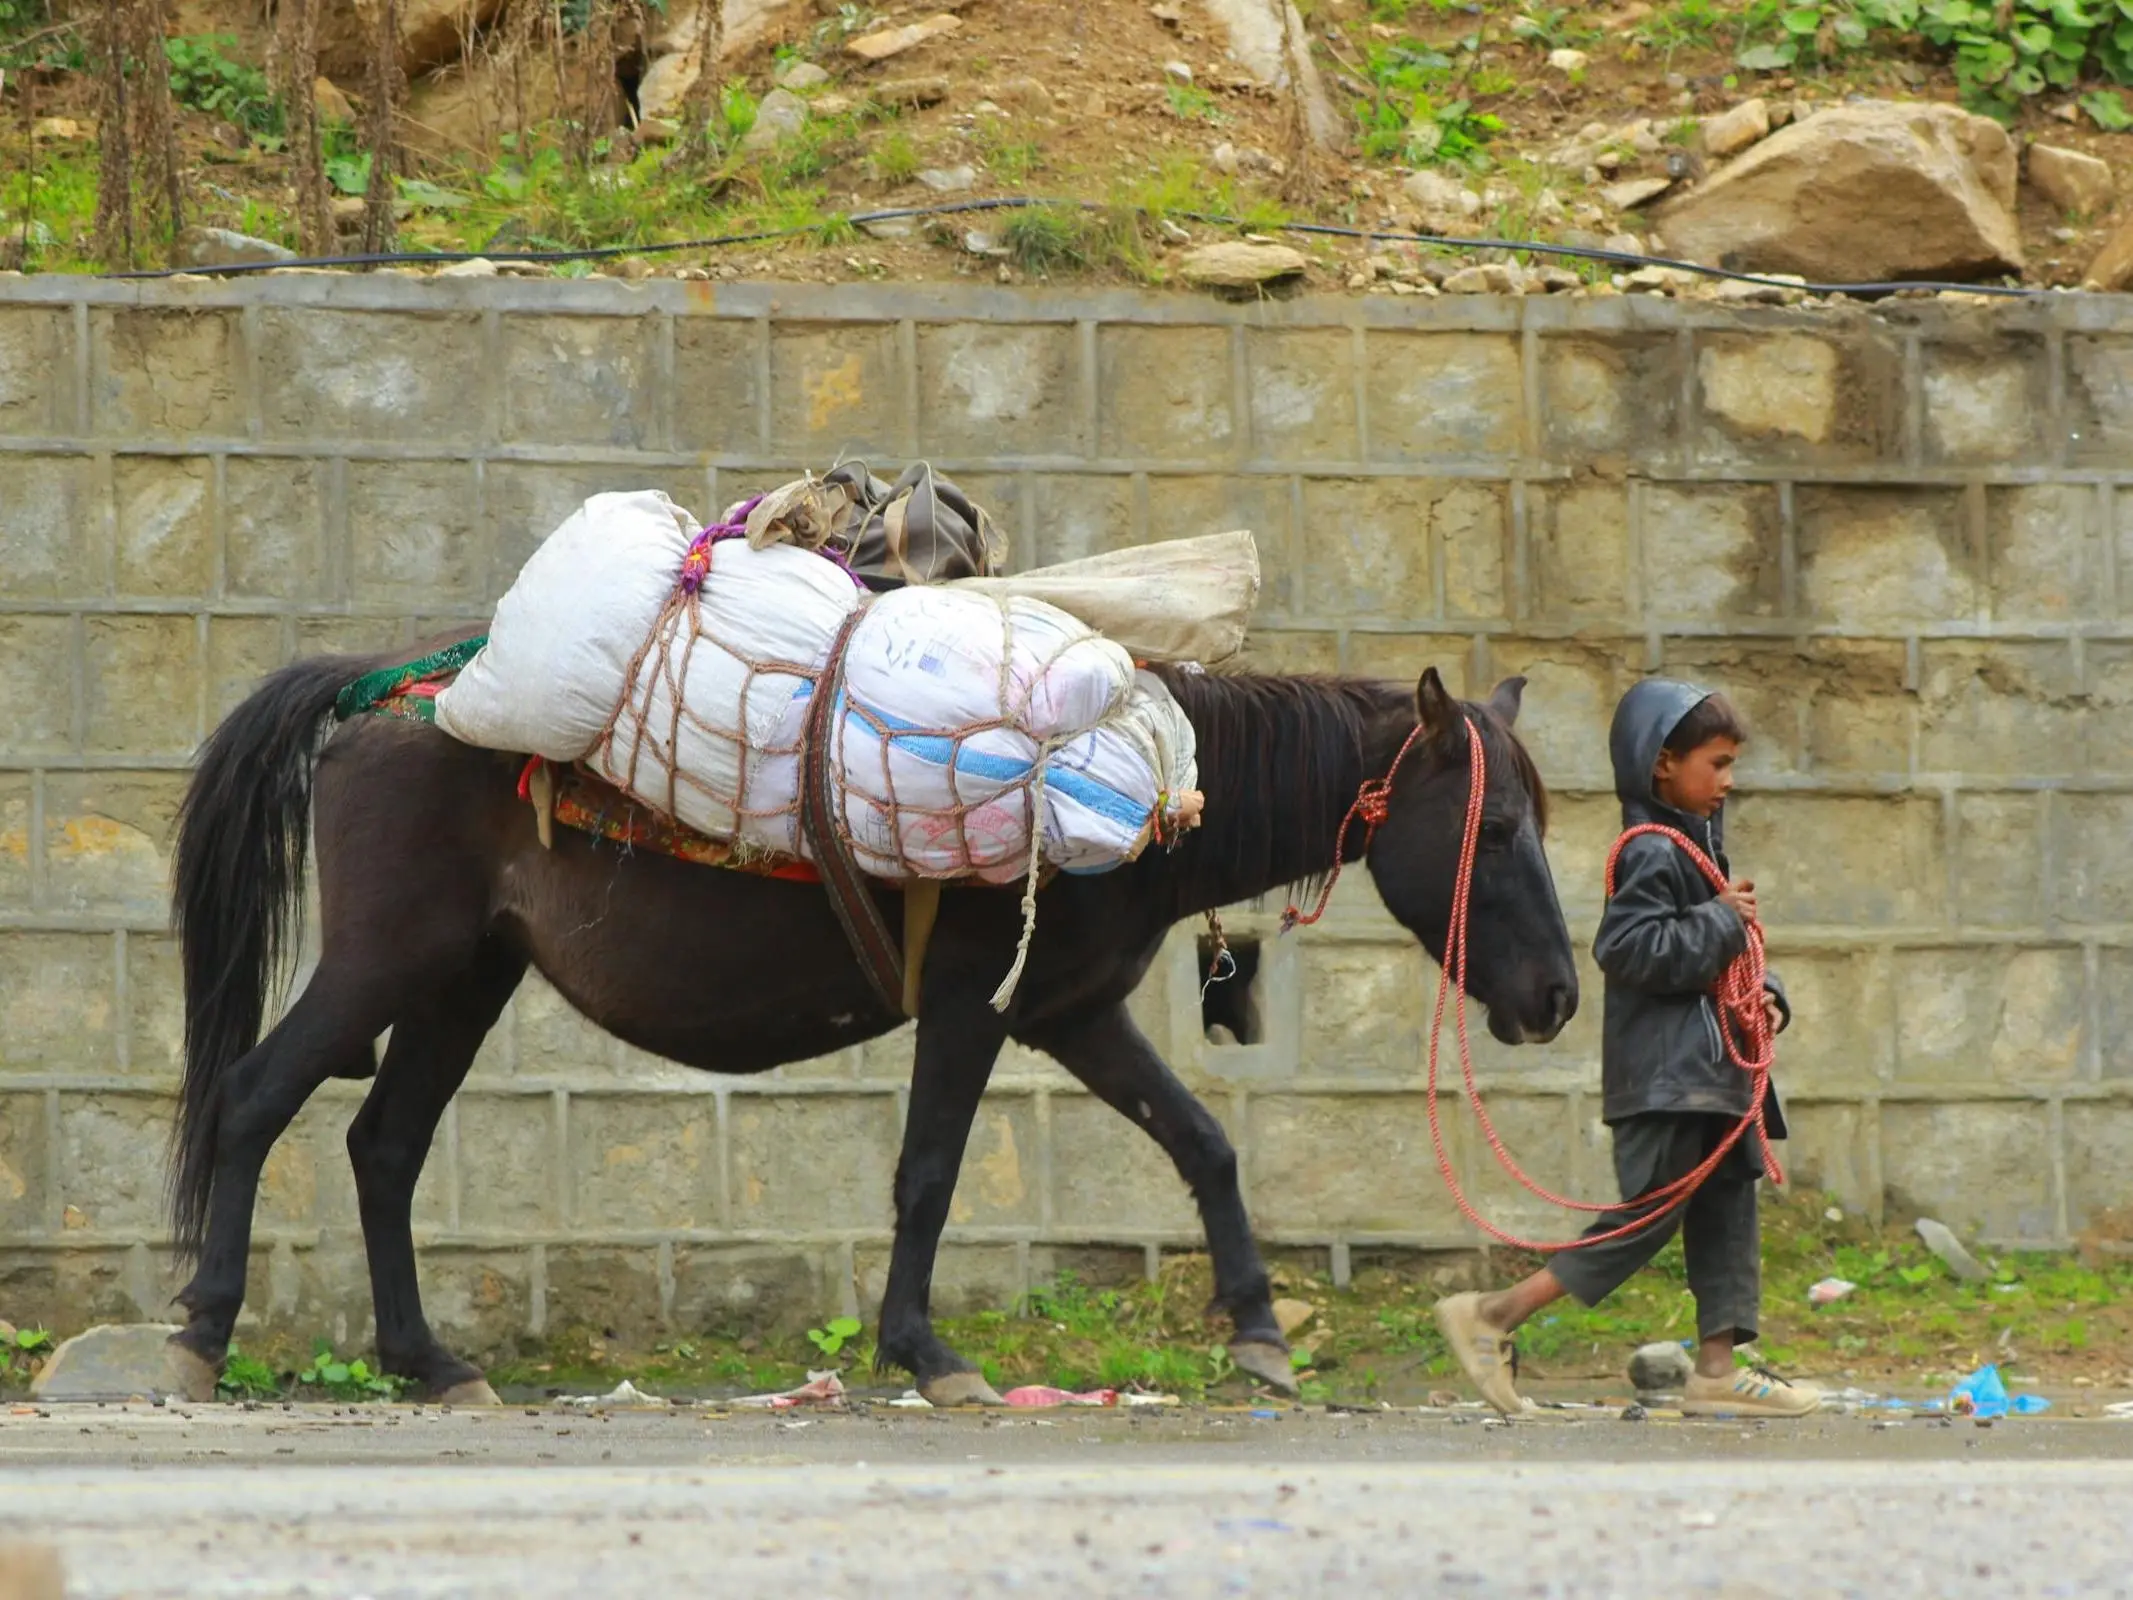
436 894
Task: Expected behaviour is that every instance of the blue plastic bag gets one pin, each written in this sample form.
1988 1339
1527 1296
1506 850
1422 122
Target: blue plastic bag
1987 1396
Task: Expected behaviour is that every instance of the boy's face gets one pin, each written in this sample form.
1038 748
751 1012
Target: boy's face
1697 781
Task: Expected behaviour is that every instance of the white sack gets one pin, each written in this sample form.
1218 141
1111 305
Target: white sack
729 766
1026 683
566 630
1177 600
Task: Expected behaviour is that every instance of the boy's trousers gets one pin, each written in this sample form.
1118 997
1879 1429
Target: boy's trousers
1720 1233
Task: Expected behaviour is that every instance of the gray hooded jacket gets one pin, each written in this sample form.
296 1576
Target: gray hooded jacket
1665 938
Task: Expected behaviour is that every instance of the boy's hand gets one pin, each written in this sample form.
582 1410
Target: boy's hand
1771 1014
1740 895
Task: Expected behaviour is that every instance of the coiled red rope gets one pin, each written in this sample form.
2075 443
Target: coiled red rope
1743 1025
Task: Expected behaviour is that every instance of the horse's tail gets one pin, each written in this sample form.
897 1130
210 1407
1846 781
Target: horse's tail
239 897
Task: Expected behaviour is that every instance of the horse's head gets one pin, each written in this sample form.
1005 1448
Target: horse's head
1519 963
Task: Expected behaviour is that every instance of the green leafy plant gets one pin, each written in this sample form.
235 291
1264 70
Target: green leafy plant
1687 24
1408 117
246 1377
206 77
834 1335
2107 109
345 1380
2001 51
18 1352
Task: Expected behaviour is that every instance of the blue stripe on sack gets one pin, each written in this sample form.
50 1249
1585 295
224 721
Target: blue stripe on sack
940 750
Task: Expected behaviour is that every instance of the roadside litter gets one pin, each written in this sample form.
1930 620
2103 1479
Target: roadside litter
1038 1396
821 1389
1042 1394
1938 1238
1983 1395
624 1393
1829 1291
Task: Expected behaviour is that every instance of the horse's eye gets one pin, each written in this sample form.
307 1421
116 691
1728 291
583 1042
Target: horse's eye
1495 833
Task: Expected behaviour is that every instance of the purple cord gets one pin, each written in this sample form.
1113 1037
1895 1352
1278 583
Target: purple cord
696 564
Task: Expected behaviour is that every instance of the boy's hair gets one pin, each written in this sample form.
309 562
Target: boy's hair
1713 717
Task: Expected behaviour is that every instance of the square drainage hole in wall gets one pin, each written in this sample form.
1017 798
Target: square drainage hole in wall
1229 1010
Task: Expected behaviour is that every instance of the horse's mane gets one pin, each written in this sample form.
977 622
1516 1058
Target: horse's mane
1280 761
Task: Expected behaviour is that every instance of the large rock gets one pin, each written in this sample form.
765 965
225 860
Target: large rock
219 247
1864 192
2070 180
2112 269
1267 39
1237 265
121 1361
1658 1368
433 33
1731 132
1446 203
675 27
666 84
781 116
460 111
888 42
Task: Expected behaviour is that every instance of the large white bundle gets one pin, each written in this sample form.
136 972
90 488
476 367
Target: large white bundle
712 728
960 709
566 631
964 713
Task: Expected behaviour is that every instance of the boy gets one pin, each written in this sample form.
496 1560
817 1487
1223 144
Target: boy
1670 1092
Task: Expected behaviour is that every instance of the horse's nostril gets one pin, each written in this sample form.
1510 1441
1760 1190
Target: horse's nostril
1562 1003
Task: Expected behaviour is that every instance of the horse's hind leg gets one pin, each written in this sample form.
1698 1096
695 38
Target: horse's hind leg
1113 1057
327 1033
432 1047
956 1051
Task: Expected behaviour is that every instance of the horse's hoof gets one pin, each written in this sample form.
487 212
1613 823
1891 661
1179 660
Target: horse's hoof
473 1392
1269 1363
960 1389
190 1376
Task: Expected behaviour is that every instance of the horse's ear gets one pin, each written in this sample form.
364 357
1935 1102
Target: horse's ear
1505 702
1434 704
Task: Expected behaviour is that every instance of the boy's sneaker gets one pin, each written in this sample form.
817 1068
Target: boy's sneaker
1749 1392
1484 1352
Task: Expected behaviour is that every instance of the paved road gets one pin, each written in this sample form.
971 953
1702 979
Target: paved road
391 1503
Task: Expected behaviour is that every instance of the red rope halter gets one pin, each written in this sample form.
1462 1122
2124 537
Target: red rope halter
1744 1027
1372 802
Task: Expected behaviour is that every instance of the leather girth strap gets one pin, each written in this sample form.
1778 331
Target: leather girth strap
849 895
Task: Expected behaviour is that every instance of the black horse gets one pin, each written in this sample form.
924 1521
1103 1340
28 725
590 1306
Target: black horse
436 895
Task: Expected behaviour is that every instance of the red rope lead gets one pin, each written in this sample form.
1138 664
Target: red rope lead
1743 1026
1372 803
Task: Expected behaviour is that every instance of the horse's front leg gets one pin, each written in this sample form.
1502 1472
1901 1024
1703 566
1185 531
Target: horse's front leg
958 1041
1106 1051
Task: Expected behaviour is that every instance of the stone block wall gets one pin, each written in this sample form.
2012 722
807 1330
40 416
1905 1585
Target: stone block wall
1896 537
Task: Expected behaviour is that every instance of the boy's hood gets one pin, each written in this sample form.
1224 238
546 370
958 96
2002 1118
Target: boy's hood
1651 710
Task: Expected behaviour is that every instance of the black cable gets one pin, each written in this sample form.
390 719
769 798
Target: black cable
946 208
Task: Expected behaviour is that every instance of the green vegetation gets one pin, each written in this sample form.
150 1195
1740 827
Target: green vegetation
1909 1326
204 76
2002 51
21 1350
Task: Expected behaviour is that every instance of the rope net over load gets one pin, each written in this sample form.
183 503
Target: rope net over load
978 732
